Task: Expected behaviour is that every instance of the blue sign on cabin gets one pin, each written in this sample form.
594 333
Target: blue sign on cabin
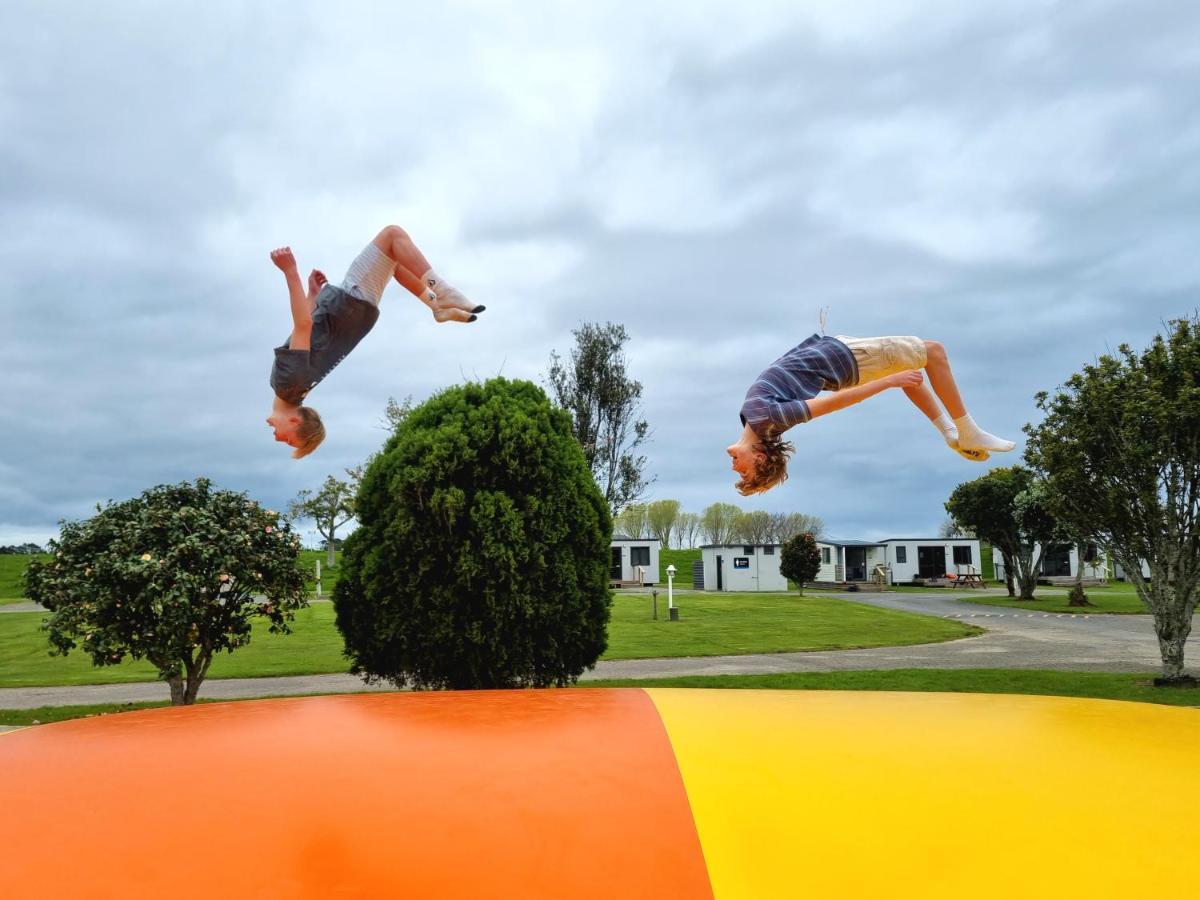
741 562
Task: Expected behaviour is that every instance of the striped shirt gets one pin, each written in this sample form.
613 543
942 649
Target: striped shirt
777 399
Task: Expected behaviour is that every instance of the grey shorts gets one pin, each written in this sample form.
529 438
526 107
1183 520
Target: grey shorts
369 274
878 357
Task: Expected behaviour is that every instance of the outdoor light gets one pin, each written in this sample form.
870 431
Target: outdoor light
671 594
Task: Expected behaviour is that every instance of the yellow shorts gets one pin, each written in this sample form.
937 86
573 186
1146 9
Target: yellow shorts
881 356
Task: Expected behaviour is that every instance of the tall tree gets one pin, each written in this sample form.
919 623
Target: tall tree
330 508
800 559
1006 508
788 525
631 521
752 527
661 517
687 529
1120 449
174 577
717 522
950 529
395 412
456 577
604 402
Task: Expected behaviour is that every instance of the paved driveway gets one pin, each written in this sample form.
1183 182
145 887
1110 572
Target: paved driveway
1014 640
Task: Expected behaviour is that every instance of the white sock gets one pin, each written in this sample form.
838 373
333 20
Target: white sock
972 437
447 295
945 425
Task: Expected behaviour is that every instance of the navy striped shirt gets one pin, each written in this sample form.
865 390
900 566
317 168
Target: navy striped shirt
776 400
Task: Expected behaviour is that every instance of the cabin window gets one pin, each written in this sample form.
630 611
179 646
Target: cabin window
962 556
901 554
639 556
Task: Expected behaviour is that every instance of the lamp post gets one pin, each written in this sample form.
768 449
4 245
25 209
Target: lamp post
672 613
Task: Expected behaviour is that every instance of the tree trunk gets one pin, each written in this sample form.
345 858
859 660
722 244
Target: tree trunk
1077 597
1008 573
195 676
330 560
1171 640
177 690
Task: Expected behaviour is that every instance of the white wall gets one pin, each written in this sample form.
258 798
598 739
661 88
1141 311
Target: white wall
761 572
628 569
1094 569
906 571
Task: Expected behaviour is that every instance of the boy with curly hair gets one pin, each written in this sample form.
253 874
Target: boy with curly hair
328 321
851 369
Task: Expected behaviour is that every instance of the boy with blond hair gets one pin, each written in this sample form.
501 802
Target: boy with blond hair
328 321
788 392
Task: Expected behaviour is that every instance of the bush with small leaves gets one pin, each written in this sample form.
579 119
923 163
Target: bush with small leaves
482 555
173 576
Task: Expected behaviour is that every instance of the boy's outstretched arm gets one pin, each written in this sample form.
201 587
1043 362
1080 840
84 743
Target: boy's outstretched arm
302 303
827 403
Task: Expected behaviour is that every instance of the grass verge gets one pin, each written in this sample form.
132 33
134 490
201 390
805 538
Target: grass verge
1094 685
709 625
1097 685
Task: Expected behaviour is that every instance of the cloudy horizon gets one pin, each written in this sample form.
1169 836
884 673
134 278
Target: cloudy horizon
1020 182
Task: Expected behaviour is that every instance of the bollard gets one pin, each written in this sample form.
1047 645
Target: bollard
654 593
674 613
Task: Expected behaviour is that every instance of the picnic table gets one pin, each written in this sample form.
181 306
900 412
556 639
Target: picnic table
967 580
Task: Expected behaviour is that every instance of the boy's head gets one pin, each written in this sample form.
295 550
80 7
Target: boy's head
300 428
760 460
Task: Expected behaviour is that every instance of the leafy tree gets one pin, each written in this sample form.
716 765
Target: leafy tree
950 529
687 529
786 526
752 527
395 412
662 516
173 576
631 521
604 402
330 508
481 559
717 522
800 559
1006 508
1120 449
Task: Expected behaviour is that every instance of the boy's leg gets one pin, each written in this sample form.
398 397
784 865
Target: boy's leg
416 275
926 401
970 435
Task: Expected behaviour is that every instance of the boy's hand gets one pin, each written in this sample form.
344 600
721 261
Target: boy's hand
283 259
910 379
316 281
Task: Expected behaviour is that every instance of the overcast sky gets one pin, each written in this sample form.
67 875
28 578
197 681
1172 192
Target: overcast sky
1019 180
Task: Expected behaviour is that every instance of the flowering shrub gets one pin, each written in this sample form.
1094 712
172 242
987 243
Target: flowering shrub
173 576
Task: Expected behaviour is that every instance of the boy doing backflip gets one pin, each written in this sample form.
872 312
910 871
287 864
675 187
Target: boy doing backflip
328 322
852 369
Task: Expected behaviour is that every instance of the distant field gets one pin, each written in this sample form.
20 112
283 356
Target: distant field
12 567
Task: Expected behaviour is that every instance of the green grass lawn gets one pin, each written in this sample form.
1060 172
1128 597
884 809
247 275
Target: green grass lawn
682 561
710 625
1098 685
1115 599
12 567
1103 685
714 624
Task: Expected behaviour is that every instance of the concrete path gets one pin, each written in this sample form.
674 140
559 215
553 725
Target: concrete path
1014 640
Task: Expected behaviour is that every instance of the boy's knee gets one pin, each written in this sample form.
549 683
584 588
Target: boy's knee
935 350
392 233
